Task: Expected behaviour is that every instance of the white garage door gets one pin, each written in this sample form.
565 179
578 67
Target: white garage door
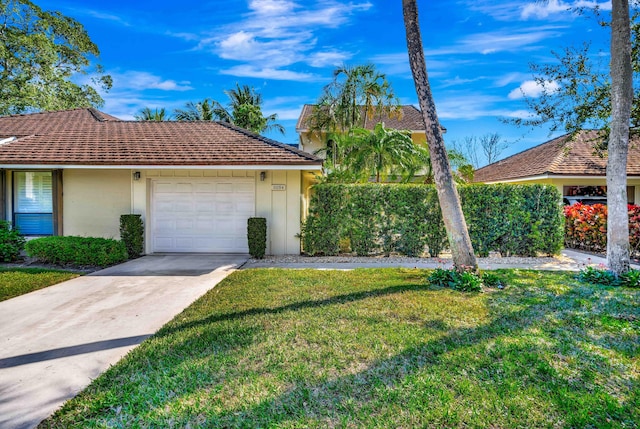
208 215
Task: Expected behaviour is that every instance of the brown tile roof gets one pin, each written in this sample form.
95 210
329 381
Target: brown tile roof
561 156
411 119
90 137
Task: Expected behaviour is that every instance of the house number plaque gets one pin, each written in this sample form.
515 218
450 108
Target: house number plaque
278 187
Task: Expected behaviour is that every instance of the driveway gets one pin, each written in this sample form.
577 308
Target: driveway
55 341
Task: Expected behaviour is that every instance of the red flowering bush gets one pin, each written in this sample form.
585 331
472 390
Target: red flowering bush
586 227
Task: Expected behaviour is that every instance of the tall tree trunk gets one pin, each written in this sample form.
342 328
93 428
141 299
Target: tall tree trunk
454 222
621 99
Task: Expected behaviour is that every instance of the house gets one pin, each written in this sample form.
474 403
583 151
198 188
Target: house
409 119
75 172
570 164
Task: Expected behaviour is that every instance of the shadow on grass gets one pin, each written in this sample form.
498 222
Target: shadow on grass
336 401
296 306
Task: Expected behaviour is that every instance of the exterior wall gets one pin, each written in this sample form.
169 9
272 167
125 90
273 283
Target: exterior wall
312 142
93 201
561 182
281 207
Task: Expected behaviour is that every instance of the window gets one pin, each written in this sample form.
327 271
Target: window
592 194
33 202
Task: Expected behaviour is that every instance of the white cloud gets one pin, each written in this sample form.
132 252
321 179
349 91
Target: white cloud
550 8
472 105
139 80
328 58
276 34
269 73
533 89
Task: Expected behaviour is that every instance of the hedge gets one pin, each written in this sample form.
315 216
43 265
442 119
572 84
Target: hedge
406 219
132 234
11 242
257 236
586 227
78 251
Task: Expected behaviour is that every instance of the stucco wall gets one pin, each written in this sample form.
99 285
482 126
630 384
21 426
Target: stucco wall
281 208
93 201
312 142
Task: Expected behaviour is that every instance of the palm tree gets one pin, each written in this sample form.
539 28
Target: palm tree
204 110
455 224
380 153
244 110
355 95
157 115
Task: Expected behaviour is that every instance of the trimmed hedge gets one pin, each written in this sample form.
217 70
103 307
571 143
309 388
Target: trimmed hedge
11 242
257 236
78 251
132 234
406 219
586 227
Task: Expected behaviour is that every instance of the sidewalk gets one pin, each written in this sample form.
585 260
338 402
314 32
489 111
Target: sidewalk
568 260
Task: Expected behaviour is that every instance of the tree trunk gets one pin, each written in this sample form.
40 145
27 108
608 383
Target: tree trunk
454 222
621 99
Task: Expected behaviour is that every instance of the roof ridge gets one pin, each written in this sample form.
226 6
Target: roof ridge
269 141
523 152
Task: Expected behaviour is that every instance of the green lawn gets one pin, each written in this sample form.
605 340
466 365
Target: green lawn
380 349
18 281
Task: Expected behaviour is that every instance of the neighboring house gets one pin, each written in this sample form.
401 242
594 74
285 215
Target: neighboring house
409 119
569 164
195 184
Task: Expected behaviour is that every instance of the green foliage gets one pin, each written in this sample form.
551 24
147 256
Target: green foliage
244 110
577 87
11 242
604 277
41 54
356 95
324 227
465 281
492 280
78 251
513 219
157 115
382 153
257 236
132 234
510 219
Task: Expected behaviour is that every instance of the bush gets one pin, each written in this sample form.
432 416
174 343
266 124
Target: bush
11 242
604 277
586 227
521 220
78 251
465 281
257 236
132 234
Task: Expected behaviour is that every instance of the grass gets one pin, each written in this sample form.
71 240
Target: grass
379 349
18 281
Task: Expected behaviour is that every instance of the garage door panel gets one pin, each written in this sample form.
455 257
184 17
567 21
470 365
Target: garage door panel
202 215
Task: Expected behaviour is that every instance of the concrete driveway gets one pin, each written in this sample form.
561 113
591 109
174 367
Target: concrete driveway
55 341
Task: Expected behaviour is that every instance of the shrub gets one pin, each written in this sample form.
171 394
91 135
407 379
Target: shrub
132 234
465 281
586 227
510 219
11 242
79 251
257 236
604 277
324 227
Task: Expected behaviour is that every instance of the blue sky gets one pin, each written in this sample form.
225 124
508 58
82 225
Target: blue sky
165 53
